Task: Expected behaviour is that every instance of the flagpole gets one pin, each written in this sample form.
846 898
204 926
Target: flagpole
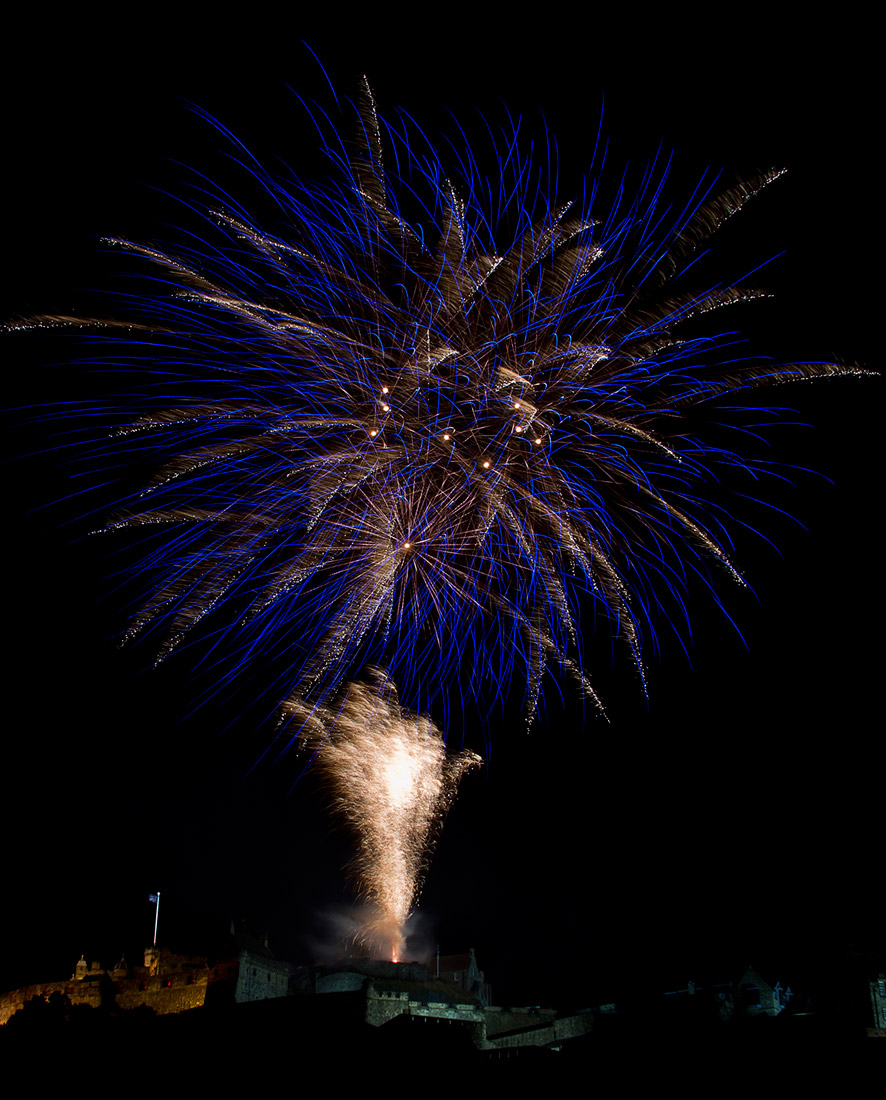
156 917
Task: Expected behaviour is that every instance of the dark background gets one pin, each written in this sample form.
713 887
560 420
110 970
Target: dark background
737 817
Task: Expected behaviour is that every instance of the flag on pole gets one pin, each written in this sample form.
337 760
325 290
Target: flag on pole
154 899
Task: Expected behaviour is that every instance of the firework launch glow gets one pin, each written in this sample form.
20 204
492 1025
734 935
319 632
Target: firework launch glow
391 782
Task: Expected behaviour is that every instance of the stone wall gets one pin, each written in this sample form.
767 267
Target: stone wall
542 1031
79 992
492 1028
261 978
167 984
499 1020
383 1005
163 993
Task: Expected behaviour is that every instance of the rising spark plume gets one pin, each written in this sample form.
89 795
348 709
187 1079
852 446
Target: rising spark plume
431 420
392 783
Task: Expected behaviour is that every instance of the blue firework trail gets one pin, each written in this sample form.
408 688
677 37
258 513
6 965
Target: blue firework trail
430 421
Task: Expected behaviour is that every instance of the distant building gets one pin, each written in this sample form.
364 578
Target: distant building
462 971
167 982
756 997
748 996
260 975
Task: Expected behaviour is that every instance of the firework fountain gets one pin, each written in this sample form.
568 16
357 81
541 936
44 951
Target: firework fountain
392 782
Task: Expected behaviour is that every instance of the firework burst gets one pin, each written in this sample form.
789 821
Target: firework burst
427 421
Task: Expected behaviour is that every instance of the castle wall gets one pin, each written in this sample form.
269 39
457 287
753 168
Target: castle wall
163 993
80 993
260 978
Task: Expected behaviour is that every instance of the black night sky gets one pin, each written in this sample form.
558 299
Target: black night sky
737 817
